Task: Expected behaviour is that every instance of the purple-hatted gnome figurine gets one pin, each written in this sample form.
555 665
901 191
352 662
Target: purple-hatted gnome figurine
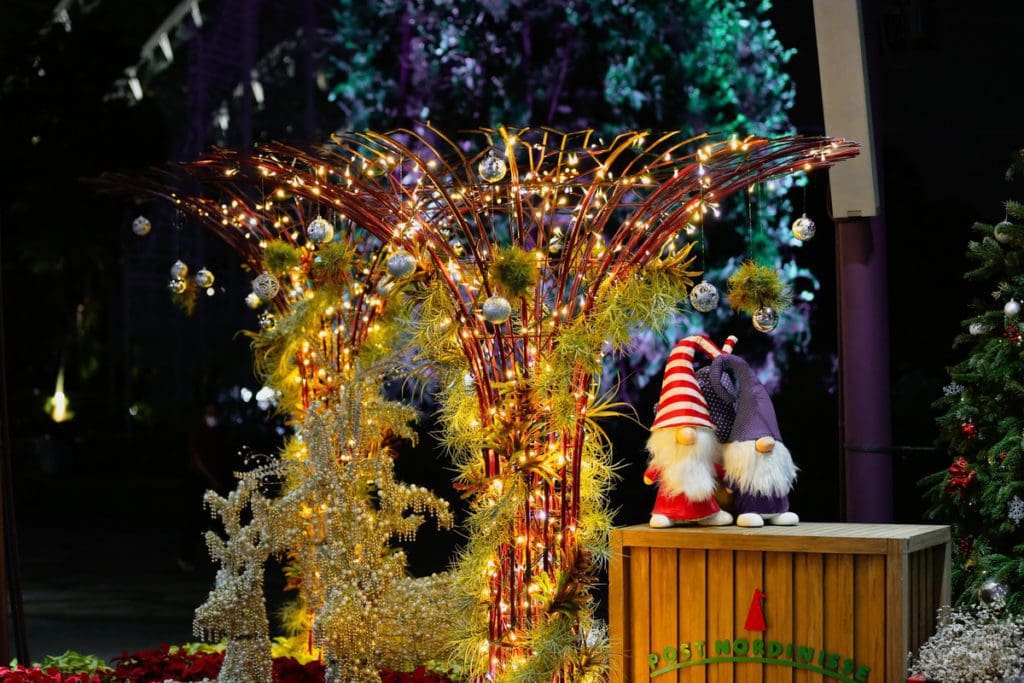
758 466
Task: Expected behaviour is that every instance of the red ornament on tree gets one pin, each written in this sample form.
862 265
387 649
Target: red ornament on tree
965 546
960 476
1012 333
969 429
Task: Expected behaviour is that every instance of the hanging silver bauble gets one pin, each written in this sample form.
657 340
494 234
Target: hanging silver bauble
267 321
704 297
253 301
320 230
1003 232
177 285
803 228
401 263
266 286
492 168
496 310
1011 308
179 269
765 319
992 592
141 226
204 278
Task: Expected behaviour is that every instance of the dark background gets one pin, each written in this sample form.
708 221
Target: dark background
100 499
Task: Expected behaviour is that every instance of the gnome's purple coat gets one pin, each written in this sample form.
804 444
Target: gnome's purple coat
754 418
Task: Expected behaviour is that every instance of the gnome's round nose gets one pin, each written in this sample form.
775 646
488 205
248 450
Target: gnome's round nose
755 414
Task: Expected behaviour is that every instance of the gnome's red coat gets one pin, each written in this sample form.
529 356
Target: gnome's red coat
679 507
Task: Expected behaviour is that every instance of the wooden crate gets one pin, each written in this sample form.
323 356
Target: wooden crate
854 599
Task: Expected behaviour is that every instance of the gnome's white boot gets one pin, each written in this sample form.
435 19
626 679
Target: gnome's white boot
720 518
660 522
784 519
750 520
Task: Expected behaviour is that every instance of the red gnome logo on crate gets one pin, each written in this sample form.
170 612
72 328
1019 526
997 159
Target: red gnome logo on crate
757 650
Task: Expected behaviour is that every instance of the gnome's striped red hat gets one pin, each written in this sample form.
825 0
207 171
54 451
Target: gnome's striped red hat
681 402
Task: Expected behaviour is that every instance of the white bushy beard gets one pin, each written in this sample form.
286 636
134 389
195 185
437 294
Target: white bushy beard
766 474
689 470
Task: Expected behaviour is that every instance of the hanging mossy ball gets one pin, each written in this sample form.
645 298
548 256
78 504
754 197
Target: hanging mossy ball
513 272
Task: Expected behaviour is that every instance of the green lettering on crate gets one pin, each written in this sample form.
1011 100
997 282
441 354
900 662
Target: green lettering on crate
862 673
774 649
805 654
740 646
757 647
833 662
723 647
670 654
652 660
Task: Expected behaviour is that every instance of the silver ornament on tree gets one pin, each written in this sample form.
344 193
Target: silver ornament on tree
992 592
704 297
977 328
1003 232
204 278
179 269
401 264
804 228
253 301
765 319
267 321
1011 308
177 285
492 168
141 226
266 286
320 230
496 310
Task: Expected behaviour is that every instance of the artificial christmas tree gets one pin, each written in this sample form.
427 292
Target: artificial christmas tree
982 489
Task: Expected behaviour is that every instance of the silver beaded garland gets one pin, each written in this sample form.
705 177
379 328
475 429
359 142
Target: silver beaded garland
704 297
803 228
765 319
496 310
320 230
401 264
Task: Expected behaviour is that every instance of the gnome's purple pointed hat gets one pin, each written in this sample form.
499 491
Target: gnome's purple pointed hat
755 414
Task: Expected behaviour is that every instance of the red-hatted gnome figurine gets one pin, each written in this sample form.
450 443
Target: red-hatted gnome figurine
683 446
758 466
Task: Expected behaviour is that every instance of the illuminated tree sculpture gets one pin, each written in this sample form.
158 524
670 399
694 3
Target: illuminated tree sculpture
535 252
